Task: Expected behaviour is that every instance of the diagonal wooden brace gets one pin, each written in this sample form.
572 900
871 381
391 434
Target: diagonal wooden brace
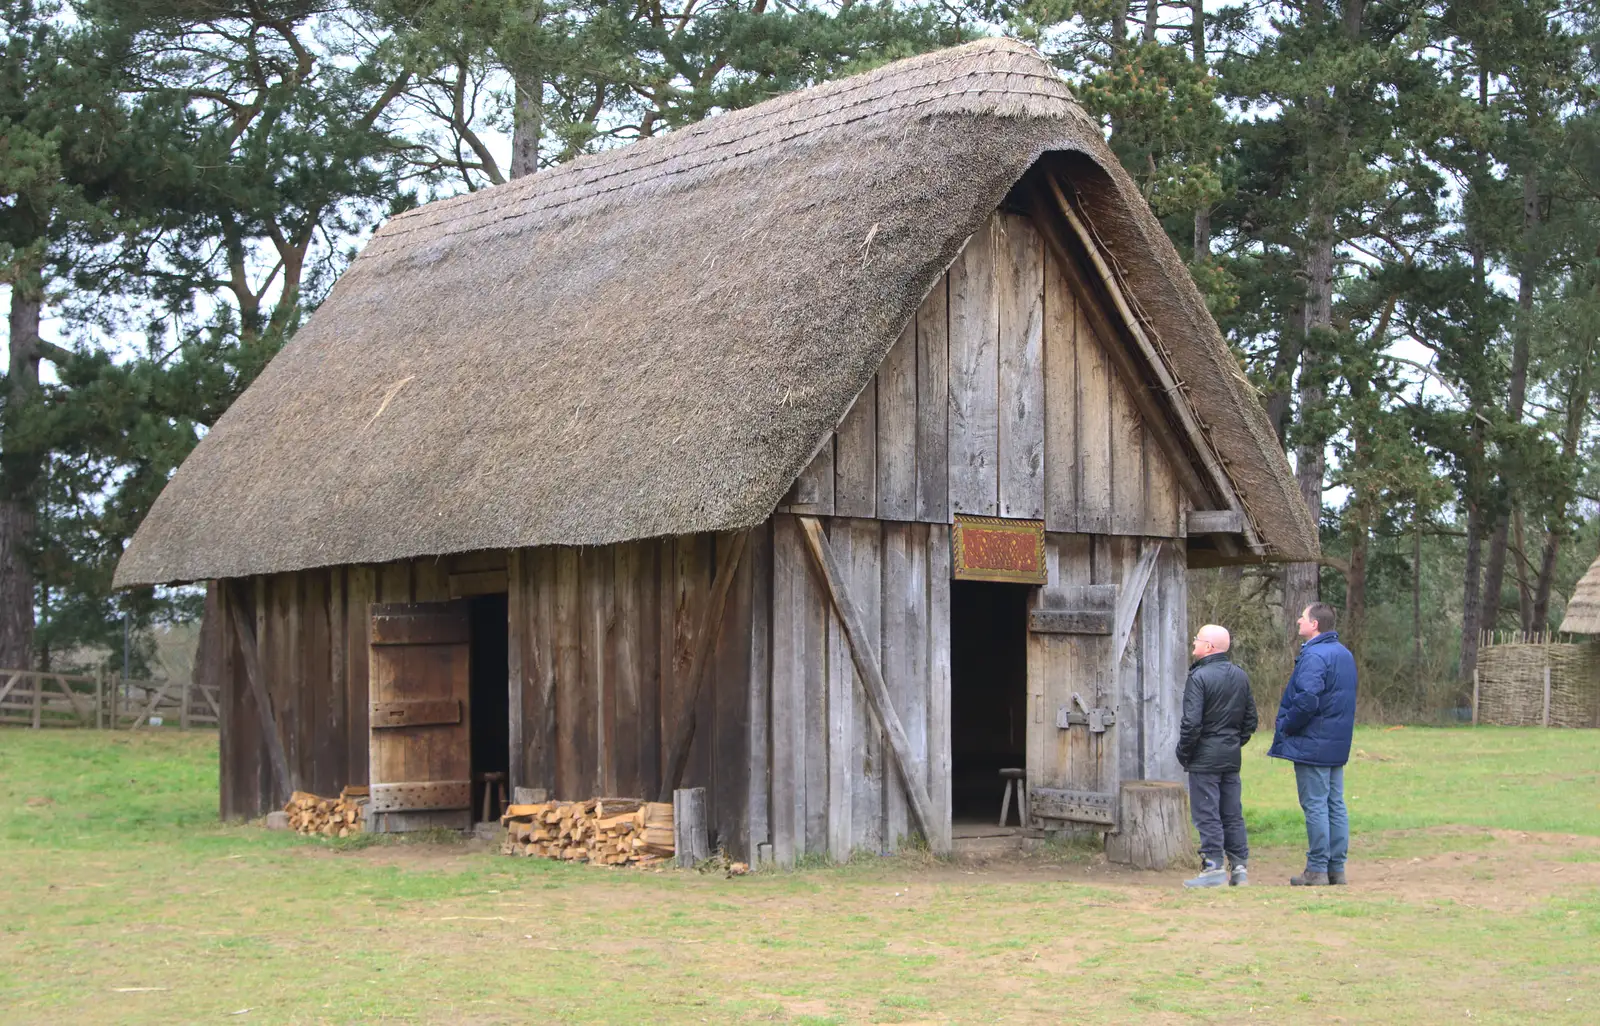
870 671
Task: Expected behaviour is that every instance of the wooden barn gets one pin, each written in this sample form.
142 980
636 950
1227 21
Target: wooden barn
833 454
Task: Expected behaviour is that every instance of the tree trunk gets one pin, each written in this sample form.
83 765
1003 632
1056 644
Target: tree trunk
1302 584
1355 602
1471 597
1416 599
1516 398
1152 16
528 126
1197 43
19 472
1524 588
1572 433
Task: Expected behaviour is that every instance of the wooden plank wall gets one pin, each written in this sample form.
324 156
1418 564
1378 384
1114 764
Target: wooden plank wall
311 630
999 400
833 788
601 643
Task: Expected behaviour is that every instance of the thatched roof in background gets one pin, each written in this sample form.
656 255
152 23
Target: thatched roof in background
1583 609
652 341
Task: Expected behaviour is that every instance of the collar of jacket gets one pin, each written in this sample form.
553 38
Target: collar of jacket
1323 638
1215 657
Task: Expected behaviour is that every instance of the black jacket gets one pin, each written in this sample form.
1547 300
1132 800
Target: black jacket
1218 716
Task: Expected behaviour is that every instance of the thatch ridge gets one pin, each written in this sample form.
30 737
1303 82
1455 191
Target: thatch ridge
651 341
1583 609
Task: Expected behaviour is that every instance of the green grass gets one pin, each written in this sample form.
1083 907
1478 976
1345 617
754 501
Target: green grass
1405 778
123 900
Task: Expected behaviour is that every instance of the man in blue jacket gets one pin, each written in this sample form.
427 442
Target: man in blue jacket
1315 721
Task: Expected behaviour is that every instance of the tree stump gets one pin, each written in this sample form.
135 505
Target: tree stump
1154 826
690 841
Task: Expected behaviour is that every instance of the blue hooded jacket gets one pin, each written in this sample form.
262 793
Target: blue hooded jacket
1318 711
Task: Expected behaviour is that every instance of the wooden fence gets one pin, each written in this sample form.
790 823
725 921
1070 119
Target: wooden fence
32 698
1544 680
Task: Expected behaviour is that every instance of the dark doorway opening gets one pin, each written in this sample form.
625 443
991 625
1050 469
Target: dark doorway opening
490 700
988 695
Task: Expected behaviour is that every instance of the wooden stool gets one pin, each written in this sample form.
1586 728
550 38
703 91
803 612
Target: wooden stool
491 783
1015 783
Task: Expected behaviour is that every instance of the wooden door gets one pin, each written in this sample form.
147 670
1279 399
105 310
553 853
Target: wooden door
420 751
1072 772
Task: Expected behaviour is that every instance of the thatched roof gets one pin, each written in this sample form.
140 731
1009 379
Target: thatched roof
652 341
1583 609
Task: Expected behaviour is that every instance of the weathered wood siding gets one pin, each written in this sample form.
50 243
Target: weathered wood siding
600 642
833 786
311 631
998 400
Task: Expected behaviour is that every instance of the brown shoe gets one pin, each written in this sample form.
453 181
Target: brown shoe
1309 878
1336 877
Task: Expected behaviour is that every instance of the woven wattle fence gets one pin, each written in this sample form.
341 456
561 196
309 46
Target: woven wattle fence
1535 681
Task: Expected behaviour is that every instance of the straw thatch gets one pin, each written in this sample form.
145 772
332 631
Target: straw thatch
1583 609
653 341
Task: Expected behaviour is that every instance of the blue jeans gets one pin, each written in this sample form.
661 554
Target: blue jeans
1327 823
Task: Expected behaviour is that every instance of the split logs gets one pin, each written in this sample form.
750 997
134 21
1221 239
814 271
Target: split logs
327 817
604 831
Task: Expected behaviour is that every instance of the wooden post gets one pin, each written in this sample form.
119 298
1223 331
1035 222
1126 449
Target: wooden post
689 827
870 671
1474 696
183 715
38 701
1544 719
1153 825
99 698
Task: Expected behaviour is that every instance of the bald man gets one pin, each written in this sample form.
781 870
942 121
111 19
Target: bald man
1219 715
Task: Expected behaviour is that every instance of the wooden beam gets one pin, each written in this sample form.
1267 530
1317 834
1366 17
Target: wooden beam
1197 437
1128 601
870 670
705 636
1214 521
258 688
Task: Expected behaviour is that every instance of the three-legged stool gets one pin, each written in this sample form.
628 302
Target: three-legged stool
1015 783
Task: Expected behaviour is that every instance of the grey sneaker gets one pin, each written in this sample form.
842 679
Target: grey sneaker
1211 875
1239 875
1310 878
1336 876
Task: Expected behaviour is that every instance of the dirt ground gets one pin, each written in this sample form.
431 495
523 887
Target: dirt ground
1503 870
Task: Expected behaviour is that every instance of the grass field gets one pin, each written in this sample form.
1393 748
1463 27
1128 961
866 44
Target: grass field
1475 897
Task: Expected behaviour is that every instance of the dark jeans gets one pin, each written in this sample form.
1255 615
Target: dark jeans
1216 806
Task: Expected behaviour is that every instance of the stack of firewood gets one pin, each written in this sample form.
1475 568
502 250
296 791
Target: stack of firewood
329 817
605 831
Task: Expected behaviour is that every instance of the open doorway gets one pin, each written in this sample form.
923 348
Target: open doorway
988 695
489 702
